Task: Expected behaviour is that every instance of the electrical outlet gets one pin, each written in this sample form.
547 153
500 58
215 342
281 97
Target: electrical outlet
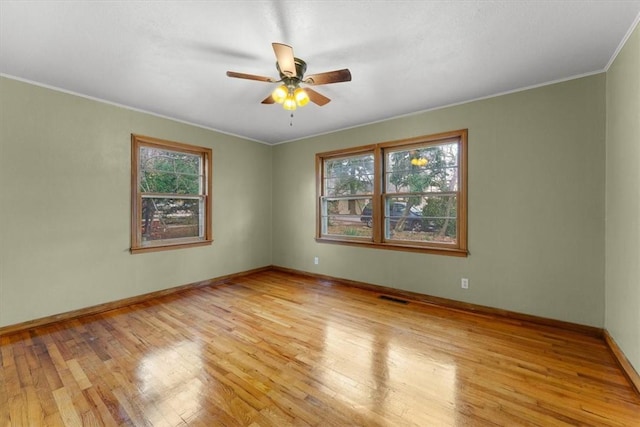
316 260
464 283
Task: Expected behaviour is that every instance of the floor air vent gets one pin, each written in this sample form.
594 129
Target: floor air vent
392 299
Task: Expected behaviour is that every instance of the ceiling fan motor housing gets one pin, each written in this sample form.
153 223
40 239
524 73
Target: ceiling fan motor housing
301 68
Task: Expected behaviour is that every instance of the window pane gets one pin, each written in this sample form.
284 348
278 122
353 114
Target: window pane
171 218
348 176
169 172
430 218
346 217
422 169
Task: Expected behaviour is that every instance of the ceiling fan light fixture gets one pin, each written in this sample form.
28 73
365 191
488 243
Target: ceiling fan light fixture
301 97
280 94
289 103
291 70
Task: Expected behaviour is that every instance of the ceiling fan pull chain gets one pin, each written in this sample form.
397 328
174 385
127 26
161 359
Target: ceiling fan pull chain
291 121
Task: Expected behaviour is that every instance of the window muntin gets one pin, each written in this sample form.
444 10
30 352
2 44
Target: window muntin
414 197
170 191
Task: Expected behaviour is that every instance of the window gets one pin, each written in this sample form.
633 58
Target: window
170 190
348 188
406 195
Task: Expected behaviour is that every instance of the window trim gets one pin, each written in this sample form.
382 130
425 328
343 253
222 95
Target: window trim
137 246
378 240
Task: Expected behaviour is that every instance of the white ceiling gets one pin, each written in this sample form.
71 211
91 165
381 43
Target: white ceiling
170 57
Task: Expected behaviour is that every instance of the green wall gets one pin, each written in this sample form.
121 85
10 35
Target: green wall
536 205
623 200
65 200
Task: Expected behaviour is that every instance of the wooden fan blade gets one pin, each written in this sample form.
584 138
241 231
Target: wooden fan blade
316 98
250 77
284 56
268 100
336 76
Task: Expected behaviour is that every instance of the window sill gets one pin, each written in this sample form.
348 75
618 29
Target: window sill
436 250
168 247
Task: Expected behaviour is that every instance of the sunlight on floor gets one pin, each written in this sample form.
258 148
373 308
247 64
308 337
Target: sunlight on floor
170 377
391 365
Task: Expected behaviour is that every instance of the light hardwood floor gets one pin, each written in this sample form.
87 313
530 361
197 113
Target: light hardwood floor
275 349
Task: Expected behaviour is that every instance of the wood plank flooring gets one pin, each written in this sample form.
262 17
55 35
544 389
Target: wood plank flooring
275 349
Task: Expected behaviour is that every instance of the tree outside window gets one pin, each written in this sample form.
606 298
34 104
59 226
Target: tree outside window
348 188
408 195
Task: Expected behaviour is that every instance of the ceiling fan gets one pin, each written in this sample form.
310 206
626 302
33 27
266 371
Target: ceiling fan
291 69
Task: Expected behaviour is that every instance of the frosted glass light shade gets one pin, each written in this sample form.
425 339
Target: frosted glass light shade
301 97
280 94
289 103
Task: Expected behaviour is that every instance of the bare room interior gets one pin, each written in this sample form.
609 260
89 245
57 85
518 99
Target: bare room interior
326 213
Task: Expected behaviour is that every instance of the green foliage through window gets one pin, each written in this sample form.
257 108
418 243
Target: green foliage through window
172 182
414 195
169 172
